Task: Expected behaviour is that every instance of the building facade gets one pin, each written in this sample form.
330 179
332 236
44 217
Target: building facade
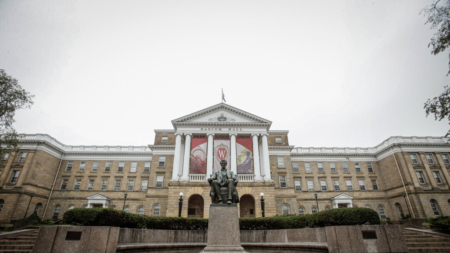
401 176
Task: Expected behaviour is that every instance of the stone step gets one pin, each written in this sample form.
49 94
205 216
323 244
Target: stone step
428 244
15 251
19 247
426 240
428 249
17 242
417 236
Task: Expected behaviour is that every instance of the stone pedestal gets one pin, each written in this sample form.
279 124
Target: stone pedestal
223 229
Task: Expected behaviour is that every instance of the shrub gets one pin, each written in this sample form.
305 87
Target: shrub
83 216
34 216
442 222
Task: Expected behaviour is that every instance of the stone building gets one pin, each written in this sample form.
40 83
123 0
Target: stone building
149 179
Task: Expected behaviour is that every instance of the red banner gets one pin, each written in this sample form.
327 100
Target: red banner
198 156
221 152
244 156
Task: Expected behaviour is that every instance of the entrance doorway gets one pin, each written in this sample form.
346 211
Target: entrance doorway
195 206
247 206
342 205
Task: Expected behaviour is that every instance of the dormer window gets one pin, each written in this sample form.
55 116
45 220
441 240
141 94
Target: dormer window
164 139
278 140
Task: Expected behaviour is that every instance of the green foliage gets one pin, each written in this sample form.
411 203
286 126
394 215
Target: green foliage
442 222
111 217
34 216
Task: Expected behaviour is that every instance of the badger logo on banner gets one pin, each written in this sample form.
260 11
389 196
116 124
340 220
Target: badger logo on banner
198 156
244 155
221 152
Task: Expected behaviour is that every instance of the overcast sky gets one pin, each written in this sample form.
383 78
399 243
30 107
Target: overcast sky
333 73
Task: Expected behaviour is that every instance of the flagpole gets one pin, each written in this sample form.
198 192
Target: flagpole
221 96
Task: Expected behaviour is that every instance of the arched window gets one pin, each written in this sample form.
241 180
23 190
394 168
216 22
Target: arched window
127 209
286 209
56 212
435 207
399 209
382 213
71 207
84 206
156 210
38 207
301 210
140 210
1 204
114 207
355 206
368 206
327 207
314 209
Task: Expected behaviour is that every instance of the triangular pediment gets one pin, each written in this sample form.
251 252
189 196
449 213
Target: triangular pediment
97 196
221 114
342 196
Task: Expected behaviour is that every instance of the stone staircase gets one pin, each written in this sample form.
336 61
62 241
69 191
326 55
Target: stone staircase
418 241
18 242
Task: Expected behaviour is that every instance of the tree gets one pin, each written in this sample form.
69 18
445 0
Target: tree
12 98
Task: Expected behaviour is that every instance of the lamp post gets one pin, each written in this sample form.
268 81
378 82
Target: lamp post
404 196
317 203
262 204
124 200
25 216
180 204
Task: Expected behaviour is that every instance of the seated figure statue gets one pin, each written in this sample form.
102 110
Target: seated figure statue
223 186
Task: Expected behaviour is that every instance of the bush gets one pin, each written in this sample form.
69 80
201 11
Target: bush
442 222
111 217
34 216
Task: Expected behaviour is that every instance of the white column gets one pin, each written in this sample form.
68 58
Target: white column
187 154
210 155
233 153
261 164
256 157
265 159
176 157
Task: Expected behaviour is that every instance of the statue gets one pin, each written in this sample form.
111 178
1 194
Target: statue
223 186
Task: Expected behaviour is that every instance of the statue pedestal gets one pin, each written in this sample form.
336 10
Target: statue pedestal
223 229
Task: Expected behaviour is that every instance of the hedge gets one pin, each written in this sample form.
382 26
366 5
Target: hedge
111 217
442 222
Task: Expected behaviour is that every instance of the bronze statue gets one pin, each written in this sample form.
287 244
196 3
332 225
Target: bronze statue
223 186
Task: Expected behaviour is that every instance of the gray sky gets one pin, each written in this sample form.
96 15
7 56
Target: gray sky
333 73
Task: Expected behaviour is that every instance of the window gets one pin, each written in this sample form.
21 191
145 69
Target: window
435 207
38 207
133 167
144 185
310 185
2 202
95 167
127 209
420 177
369 167
308 167
399 209
345 167
147 167
162 161
333 168
349 185
22 156
82 165
84 206
164 139
90 184
108 166
64 184
362 186
286 209
70 207
327 207
323 185
375 185
430 159
320 167
121 165
437 177
14 176
295 167
130 184
140 210
156 209
336 185
56 212
280 162
357 168
69 166
191 211
77 184
298 186
382 213
278 140
104 184
445 158
117 185
314 209
368 206
114 207
413 158
159 181
5 157
283 181
301 210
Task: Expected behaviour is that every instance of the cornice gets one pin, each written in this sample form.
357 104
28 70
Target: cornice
153 147
219 124
282 147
